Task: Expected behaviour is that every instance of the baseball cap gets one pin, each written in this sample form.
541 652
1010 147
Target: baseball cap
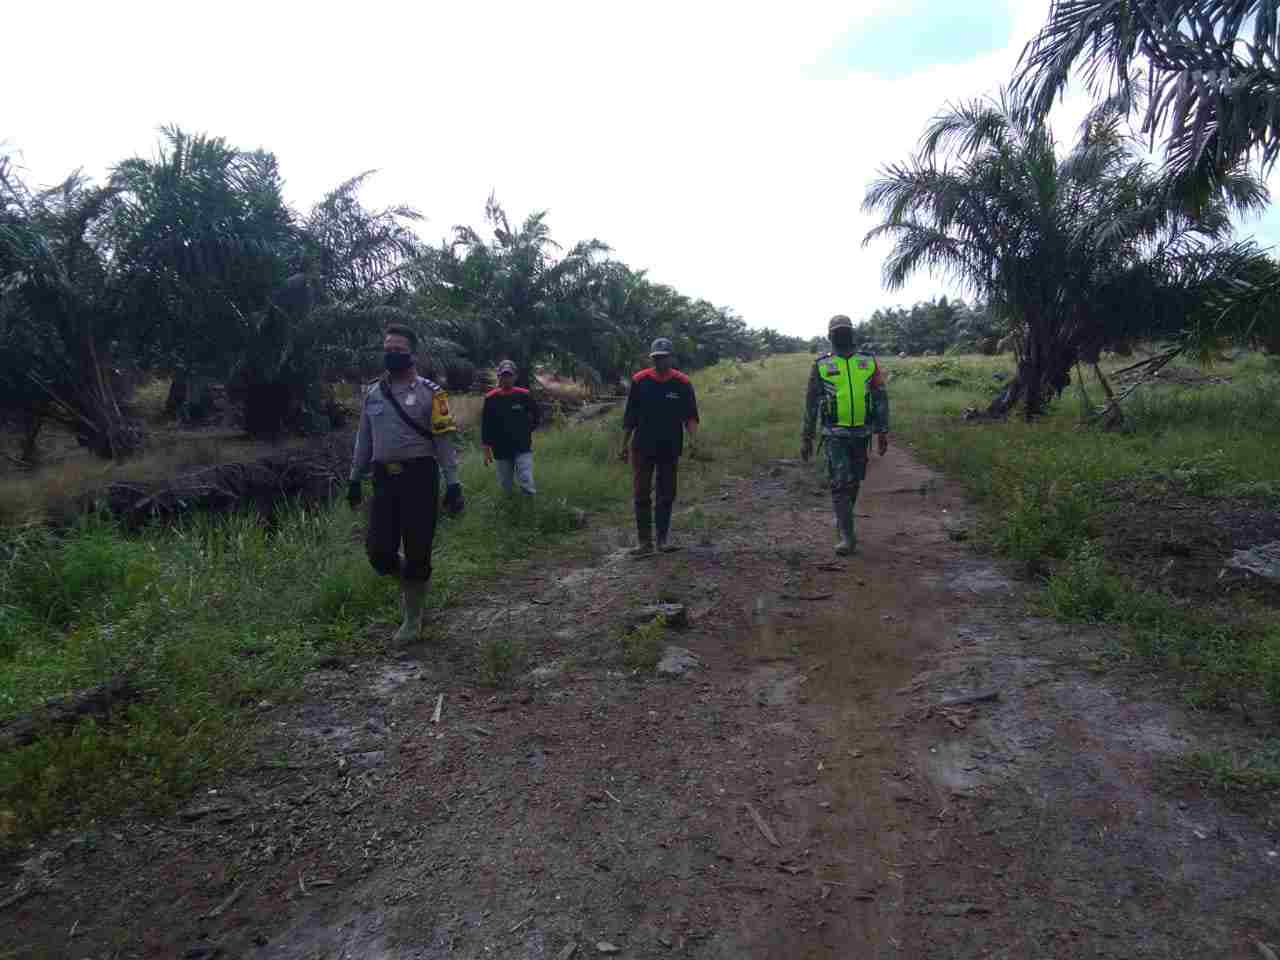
506 366
839 322
660 348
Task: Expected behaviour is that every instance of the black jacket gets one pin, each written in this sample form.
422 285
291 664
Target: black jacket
508 422
657 410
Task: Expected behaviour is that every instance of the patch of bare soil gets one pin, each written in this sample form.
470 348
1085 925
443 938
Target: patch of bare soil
1183 544
879 757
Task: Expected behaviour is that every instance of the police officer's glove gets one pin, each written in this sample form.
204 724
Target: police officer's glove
354 494
453 501
806 449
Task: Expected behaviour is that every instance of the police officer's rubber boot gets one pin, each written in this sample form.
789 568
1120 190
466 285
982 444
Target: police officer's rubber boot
842 506
644 533
413 600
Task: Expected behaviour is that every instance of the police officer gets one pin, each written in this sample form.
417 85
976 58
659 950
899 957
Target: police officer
847 394
406 434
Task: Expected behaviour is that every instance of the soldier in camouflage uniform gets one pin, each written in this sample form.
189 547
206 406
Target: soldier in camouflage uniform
847 395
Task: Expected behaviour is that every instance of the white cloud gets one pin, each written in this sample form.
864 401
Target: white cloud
691 136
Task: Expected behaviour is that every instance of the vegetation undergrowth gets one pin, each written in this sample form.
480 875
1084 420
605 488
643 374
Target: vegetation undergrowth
1226 772
642 645
1053 489
218 614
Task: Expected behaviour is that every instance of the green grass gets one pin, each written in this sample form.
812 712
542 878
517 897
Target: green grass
1224 656
642 645
499 658
1230 773
1044 489
219 613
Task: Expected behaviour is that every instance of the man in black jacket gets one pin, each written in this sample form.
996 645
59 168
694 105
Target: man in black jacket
661 408
506 430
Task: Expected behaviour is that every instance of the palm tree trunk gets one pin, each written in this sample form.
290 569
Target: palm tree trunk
32 421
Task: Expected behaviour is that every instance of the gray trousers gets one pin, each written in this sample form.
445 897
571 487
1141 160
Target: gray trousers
519 470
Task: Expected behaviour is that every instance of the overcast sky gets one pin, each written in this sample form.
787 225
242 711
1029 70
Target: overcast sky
725 147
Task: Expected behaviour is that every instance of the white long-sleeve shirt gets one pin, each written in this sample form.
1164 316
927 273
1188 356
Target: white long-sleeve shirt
384 438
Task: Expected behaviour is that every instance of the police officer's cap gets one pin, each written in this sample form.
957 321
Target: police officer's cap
839 322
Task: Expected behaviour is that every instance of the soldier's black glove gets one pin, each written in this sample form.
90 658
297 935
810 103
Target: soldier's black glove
453 501
806 449
354 494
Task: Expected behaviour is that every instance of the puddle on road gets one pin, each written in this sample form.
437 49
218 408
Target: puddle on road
768 635
974 577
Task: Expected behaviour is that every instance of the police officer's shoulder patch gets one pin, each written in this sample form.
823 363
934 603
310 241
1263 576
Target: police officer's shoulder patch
823 356
430 385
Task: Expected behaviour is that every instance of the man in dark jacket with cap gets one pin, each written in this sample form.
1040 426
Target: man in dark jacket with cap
661 408
506 430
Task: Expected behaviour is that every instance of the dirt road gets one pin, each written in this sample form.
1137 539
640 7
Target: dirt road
820 784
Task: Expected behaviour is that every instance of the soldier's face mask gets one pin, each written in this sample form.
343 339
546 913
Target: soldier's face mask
397 362
842 339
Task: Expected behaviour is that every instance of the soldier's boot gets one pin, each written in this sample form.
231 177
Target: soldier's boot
644 532
662 520
842 506
413 601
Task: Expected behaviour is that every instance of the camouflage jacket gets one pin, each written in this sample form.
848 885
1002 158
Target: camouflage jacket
815 402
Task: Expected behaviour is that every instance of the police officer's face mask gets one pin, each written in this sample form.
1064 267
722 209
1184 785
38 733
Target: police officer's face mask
842 339
397 362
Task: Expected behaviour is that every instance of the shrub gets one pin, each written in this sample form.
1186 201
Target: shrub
642 645
1083 590
500 657
1047 518
459 375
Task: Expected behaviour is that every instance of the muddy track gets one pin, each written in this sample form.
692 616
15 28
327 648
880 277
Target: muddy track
884 757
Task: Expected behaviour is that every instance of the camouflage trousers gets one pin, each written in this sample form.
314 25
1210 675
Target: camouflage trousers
846 462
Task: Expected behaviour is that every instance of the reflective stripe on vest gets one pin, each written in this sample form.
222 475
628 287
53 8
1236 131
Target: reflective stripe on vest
846 379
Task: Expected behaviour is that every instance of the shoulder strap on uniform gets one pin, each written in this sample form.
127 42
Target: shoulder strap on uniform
409 421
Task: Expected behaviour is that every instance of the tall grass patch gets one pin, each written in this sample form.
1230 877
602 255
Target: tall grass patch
1045 488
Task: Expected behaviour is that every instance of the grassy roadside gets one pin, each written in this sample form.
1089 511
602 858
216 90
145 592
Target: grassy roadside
219 614
1056 494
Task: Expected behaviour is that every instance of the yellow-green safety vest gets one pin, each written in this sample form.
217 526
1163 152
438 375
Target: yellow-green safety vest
848 382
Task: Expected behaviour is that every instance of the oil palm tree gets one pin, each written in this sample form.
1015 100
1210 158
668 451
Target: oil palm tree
516 294
1211 69
60 316
988 200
